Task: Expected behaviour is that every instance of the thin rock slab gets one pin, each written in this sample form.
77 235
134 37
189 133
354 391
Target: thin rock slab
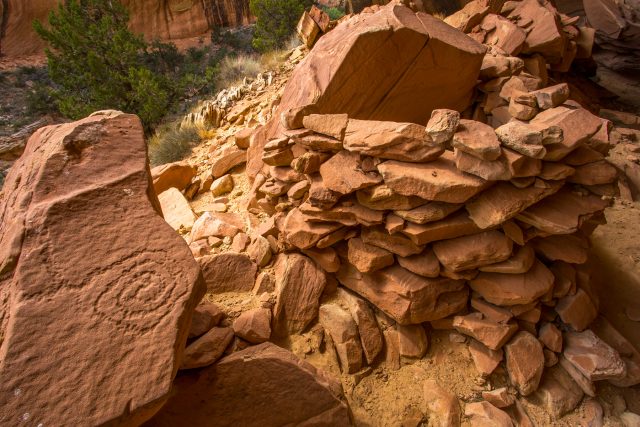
381 197
368 329
404 296
429 212
424 264
453 226
438 180
228 272
207 349
368 258
395 243
258 386
594 358
299 285
94 281
503 201
512 289
485 359
304 234
333 125
344 333
477 139
519 263
473 251
406 142
492 334
525 362
343 175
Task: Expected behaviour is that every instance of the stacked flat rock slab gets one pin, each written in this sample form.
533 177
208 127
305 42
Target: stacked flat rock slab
421 219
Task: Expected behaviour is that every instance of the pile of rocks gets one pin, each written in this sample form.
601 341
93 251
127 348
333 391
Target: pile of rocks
475 222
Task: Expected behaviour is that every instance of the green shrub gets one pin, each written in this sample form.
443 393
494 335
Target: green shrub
171 144
333 12
97 63
235 68
276 21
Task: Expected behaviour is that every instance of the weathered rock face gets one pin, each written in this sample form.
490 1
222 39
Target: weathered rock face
93 274
262 385
164 19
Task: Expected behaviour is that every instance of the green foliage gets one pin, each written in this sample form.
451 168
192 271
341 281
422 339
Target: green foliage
171 144
235 68
276 21
333 12
237 39
97 63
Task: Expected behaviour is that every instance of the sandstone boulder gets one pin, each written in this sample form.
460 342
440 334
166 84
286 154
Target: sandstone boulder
411 84
93 279
261 385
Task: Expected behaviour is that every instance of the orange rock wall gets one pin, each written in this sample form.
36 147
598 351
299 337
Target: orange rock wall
164 19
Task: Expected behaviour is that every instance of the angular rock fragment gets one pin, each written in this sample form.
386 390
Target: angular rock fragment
558 394
525 362
601 172
438 180
512 289
381 197
485 359
551 337
594 358
442 125
521 262
413 341
570 248
503 201
176 209
390 140
473 251
177 175
449 228
342 174
404 296
207 349
240 390
370 335
492 334
303 233
227 159
205 317
299 285
211 225
442 406
477 139
429 212
367 258
500 397
254 325
484 414
228 272
424 264
522 138
333 125
552 96
344 333
396 243
577 310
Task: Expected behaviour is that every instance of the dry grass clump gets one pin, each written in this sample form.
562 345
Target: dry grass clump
234 68
172 143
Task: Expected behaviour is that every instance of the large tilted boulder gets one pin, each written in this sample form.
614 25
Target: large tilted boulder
263 385
393 65
97 291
